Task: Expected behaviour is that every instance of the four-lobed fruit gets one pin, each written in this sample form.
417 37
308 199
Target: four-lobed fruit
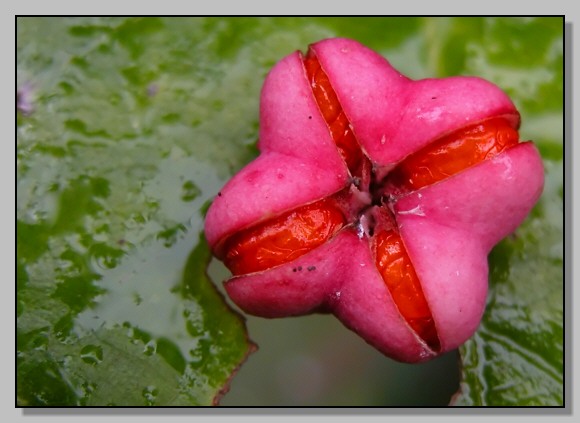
376 198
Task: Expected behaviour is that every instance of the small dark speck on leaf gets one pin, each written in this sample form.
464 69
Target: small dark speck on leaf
219 194
311 268
309 117
433 98
299 268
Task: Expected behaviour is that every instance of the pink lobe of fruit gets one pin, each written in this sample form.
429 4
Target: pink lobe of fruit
449 229
270 185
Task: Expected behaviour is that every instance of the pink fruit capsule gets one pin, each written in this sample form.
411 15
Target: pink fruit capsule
376 198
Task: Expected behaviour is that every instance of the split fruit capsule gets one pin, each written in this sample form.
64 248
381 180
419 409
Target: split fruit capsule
376 198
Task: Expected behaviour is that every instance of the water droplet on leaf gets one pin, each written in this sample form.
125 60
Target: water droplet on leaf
92 354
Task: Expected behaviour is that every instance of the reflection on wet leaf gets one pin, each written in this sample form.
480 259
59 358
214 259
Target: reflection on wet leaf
189 191
108 212
92 354
516 358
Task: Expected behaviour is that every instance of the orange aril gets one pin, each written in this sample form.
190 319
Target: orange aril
453 153
283 238
333 114
397 271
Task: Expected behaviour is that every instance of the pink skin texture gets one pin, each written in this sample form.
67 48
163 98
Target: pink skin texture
448 228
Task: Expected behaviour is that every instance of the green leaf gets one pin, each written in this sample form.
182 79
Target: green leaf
127 128
516 357
116 163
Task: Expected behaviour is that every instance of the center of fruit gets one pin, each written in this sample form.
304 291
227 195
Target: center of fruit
294 233
391 257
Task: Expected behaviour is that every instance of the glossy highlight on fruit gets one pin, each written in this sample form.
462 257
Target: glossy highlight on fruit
376 198
454 153
282 239
397 271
